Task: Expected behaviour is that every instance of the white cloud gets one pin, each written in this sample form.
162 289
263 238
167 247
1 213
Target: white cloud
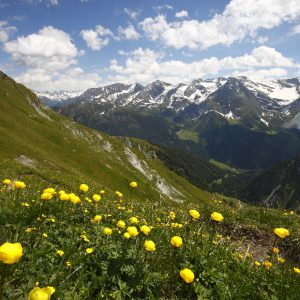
181 14
48 2
145 65
128 33
262 73
50 47
5 31
50 61
240 19
162 7
96 39
295 30
133 14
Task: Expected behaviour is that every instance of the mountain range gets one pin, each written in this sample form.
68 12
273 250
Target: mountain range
236 121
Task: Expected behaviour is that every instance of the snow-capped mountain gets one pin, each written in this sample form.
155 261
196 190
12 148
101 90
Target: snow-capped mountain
54 98
233 97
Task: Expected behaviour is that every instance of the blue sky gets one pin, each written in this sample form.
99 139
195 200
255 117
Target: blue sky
78 44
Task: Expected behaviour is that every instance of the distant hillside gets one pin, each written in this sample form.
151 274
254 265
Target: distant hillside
277 187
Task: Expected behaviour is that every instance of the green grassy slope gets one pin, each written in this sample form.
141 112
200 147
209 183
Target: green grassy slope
60 146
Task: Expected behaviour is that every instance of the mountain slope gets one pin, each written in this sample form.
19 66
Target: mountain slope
277 187
46 142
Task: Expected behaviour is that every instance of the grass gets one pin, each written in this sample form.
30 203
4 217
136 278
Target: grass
120 268
223 166
188 135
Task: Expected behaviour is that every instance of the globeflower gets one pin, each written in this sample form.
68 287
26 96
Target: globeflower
107 231
97 219
64 197
84 187
19 185
145 229
49 190
46 196
119 194
60 252
38 293
96 197
275 250
89 250
217 217
281 232
176 241
187 275
134 220
194 214
133 184
6 181
132 230
267 264
121 224
297 270
149 246
10 253
74 199
126 235
257 263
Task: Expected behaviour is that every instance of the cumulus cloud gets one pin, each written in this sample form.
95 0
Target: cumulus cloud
5 31
50 61
128 33
240 19
145 65
262 73
181 14
96 38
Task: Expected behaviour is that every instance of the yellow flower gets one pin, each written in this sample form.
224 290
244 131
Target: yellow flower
25 204
60 252
119 194
96 197
281 260
96 219
84 187
145 229
68 263
102 192
85 238
46 196
121 224
133 184
281 232
89 250
49 190
132 230
172 215
126 235
6 181
257 263
217 217
149 246
194 214
134 220
267 264
176 241
187 275
296 270
45 235
74 199
275 250
19 185
107 231
10 253
38 293
64 197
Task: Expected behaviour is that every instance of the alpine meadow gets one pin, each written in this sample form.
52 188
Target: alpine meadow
149 149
